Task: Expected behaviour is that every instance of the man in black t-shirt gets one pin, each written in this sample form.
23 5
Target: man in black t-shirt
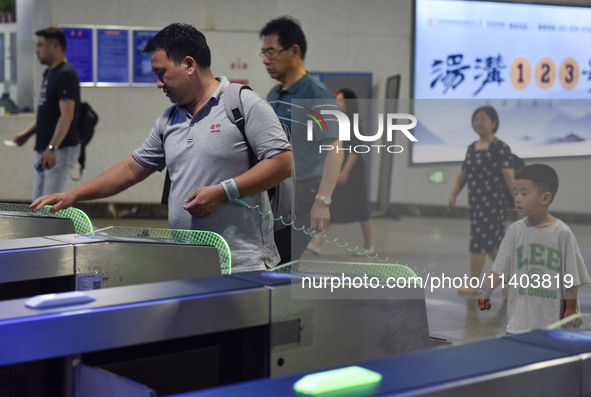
56 128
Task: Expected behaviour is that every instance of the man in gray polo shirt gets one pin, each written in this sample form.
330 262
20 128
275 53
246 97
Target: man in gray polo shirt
206 155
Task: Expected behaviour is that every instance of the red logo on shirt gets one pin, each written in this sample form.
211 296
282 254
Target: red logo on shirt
215 128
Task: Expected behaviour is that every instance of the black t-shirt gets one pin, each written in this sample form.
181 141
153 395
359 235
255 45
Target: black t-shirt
60 82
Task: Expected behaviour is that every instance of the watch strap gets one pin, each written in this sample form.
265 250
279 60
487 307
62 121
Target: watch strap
326 200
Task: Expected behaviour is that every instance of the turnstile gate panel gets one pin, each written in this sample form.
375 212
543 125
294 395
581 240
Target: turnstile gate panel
314 328
38 265
28 222
14 225
249 329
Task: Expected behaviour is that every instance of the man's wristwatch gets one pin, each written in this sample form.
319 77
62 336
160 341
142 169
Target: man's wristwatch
324 199
51 148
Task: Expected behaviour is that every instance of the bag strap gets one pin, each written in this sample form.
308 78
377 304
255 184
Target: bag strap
233 105
161 126
235 111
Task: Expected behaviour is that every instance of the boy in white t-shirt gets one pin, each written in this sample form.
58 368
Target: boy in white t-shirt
539 258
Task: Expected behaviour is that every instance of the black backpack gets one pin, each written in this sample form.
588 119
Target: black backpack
282 196
87 121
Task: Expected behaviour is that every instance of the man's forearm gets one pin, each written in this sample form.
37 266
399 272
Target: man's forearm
67 108
31 129
114 180
265 174
61 130
332 167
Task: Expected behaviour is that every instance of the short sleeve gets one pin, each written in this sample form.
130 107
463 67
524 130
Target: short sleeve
502 263
68 86
575 265
151 153
263 129
503 155
467 158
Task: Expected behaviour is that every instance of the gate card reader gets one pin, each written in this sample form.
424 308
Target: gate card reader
48 301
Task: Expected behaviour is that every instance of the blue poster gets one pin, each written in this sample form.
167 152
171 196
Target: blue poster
112 56
142 67
79 52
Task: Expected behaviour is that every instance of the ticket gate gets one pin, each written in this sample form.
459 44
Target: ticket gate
21 225
20 221
539 363
108 258
313 327
177 336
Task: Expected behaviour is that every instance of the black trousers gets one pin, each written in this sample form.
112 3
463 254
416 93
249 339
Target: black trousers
292 243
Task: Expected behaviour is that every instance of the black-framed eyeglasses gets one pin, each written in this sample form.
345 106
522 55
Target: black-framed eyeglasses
271 53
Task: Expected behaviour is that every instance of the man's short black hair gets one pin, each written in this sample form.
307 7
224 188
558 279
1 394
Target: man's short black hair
53 33
542 175
288 31
179 40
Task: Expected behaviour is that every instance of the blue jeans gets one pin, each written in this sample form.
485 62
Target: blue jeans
54 180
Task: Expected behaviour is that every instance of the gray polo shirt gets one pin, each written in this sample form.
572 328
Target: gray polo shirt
207 149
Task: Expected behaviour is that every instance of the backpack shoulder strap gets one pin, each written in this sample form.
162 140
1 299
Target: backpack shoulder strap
233 105
161 126
235 112
165 119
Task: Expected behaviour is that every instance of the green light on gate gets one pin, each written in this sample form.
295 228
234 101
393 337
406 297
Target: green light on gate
353 381
436 177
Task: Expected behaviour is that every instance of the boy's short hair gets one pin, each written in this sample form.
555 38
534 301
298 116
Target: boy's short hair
542 175
288 31
53 33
